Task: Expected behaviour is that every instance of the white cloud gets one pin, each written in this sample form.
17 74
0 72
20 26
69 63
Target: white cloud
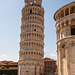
8 58
53 55
50 53
5 57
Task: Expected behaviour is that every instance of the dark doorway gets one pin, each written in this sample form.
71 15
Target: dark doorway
35 70
73 30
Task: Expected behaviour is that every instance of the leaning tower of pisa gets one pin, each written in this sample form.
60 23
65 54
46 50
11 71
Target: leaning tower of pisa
31 52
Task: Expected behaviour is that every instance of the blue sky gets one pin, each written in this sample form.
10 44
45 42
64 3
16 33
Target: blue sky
10 21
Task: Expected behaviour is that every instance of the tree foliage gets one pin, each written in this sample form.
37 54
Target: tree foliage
3 67
7 66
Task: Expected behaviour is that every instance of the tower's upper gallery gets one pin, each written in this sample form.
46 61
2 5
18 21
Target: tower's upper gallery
33 2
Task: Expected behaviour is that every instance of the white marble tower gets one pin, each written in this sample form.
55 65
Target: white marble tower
31 52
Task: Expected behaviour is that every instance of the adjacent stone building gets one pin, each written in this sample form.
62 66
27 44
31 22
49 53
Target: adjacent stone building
65 30
8 68
50 67
11 64
31 55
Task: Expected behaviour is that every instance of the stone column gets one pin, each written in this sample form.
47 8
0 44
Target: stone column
69 11
64 13
37 70
69 27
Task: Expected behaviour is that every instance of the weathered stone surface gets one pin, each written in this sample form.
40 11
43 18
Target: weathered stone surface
31 55
65 29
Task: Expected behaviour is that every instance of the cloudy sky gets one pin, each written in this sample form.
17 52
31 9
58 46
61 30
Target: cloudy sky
10 21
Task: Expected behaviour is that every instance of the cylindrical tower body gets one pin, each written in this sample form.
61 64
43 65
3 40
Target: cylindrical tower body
32 39
65 29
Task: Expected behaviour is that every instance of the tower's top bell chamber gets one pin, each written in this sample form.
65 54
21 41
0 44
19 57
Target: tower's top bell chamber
33 2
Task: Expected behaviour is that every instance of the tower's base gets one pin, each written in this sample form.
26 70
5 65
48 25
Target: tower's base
30 68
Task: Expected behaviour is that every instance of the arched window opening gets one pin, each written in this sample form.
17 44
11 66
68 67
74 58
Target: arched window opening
59 16
66 12
30 11
73 30
62 14
72 10
35 70
34 29
31 3
34 1
67 22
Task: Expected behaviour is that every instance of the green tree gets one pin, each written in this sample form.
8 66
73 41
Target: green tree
7 66
3 67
